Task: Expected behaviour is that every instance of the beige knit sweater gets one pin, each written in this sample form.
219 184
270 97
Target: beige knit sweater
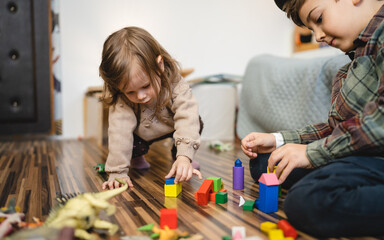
183 119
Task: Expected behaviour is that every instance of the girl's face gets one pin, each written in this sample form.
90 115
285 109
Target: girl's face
140 89
334 21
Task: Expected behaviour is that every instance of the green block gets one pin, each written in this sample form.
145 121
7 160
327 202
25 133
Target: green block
221 197
216 183
248 205
154 235
227 237
147 227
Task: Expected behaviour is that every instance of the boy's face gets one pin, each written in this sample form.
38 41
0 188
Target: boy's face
336 22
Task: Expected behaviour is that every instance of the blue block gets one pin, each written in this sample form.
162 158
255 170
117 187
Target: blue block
268 198
257 202
170 181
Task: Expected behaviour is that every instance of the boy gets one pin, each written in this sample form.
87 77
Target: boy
337 167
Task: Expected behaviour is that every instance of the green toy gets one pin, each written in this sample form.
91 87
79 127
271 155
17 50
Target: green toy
100 168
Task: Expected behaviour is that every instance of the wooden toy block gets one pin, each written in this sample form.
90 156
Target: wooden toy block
274 169
226 237
268 198
265 227
212 197
268 193
216 183
203 192
168 217
170 181
222 185
238 232
287 228
223 190
170 202
276 234
221 197
172 190
248 205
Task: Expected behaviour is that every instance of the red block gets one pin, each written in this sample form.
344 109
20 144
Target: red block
168 217
203 192
287 228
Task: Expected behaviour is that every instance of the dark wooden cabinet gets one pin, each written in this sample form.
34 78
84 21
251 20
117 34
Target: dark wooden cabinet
25 69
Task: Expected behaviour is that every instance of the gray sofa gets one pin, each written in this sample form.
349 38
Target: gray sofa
285 93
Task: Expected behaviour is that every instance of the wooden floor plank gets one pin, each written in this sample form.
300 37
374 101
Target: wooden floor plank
36 171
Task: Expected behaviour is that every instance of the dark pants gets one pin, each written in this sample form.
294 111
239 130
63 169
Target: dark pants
344 198
141 147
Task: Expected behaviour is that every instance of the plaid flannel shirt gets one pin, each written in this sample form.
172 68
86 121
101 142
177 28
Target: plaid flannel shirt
355 123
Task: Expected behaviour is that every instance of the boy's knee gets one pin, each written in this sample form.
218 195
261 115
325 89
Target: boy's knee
303 208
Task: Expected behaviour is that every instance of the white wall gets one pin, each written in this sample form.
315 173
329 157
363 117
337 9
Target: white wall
211 36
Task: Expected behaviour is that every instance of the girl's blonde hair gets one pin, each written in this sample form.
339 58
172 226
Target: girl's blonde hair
135 45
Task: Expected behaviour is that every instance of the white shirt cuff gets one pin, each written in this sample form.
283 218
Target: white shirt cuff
279 139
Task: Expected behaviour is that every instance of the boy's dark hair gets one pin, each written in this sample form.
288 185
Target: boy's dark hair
133 45
291 7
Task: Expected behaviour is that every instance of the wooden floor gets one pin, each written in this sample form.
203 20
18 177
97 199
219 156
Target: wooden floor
35 171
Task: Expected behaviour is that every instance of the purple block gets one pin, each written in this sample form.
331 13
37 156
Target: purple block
238 175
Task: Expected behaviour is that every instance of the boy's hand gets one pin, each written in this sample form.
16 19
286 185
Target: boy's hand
183 169
291 156
111 184
255 143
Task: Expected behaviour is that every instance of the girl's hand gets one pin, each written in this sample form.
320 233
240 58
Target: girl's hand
111 184
255 143
183 170
291 156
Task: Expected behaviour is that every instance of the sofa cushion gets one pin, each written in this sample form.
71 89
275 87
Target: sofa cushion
286 93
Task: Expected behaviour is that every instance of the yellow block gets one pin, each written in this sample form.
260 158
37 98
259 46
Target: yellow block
172 190
276 234
266 227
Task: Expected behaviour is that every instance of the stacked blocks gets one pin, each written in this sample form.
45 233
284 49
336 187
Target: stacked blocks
268 193
168 217
280 231
171 189
211 190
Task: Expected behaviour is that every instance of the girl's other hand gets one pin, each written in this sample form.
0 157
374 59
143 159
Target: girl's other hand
183 170
111 184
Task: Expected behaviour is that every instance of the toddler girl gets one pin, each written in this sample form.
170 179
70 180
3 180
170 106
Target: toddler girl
148 101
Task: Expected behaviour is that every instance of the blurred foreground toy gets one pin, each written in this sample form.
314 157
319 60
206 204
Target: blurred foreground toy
219 146
100 168
82 212
168 234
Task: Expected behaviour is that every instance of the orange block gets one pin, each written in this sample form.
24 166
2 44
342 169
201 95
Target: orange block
212 197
